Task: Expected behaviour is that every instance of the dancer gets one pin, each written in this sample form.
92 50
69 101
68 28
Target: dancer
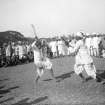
83 60
41 62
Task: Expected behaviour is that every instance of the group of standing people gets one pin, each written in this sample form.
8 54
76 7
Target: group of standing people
58 47
93 42
14 53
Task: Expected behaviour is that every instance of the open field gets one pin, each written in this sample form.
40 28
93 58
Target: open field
17 85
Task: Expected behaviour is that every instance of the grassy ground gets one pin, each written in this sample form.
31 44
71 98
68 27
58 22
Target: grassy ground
17 85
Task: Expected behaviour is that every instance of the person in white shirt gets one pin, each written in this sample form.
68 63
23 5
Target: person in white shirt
96 42
88 42
83 61
0 52
71 46
9 52
62 48
0 56
53 46
22 51
41 62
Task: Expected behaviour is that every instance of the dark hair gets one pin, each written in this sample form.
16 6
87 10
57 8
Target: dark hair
78 38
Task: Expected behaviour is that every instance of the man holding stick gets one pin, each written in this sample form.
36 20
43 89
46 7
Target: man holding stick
41 62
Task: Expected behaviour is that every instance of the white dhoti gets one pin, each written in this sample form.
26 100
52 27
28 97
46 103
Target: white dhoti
43 65
89 68
47 64
85 62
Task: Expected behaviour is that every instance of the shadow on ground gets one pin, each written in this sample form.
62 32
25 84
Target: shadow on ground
36 101
9 99
62 77
101 75
6 79
7 90
2 86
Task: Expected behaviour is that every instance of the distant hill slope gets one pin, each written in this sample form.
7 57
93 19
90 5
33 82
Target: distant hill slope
13 36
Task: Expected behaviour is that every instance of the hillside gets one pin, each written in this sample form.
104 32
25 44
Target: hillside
13 36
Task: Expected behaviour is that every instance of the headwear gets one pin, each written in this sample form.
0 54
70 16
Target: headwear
94 33
87 34
79 34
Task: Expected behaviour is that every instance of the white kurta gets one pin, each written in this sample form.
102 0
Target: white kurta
53 46
88 42
37 53
82 56
8 50
16 50
62 48
0 52
96 42
21 51
71 46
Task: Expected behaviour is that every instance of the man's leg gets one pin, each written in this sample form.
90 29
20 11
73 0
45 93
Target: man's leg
39 74
52 73
78 70
37 78
90 70
95 52
82 77
91 51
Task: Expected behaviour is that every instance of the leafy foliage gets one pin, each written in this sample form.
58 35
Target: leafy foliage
13 36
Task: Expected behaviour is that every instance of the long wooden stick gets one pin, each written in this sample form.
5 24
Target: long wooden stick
34 30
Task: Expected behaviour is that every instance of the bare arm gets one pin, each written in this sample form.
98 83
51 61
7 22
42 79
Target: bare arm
76 47
34 46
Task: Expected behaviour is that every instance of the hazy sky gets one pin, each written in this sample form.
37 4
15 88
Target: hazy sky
52 17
